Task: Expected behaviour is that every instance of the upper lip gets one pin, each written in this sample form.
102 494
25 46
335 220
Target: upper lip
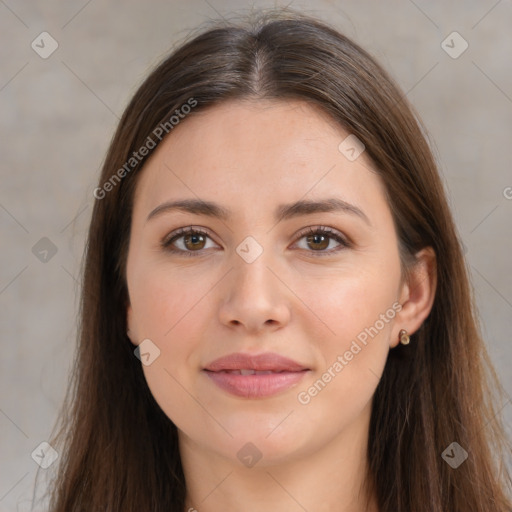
262 362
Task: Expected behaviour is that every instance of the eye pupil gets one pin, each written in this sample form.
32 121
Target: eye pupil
195 238
314 239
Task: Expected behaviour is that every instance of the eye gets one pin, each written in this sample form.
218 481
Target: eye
187 241
319 239
191 240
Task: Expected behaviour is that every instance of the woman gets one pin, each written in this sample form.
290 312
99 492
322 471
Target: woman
276 310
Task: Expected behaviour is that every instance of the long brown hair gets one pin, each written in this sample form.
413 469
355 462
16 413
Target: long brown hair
119 451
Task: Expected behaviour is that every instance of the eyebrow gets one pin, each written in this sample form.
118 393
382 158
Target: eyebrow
282 212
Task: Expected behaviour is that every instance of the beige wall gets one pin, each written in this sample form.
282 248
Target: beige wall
58 114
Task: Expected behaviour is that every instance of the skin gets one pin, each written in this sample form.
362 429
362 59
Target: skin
250 156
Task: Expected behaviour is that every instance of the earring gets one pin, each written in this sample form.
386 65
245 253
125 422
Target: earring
404 337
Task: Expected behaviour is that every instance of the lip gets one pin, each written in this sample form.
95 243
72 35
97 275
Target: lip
269 361
281 373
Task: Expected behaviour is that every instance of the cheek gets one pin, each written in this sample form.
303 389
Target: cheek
354 316
169 313
353 358
163 301
348 302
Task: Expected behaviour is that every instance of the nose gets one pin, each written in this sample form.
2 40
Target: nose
254 298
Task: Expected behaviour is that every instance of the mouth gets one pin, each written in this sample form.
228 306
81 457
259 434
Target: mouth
261 376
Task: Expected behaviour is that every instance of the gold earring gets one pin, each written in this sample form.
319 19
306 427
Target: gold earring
404 337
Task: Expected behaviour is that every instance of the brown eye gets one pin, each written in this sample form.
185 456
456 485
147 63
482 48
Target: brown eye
195 241
319 239
186 241
318 242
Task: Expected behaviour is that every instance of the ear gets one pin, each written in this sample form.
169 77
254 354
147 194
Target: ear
416 295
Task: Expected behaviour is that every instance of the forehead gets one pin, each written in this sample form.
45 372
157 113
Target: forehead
250 153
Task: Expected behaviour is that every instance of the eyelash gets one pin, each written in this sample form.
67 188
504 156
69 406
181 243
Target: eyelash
322 230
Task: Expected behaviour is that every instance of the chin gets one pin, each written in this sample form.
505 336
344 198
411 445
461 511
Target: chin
275 444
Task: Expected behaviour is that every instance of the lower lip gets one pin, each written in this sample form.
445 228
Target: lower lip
255 386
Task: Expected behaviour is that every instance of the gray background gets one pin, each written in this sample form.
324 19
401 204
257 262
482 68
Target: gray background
58 115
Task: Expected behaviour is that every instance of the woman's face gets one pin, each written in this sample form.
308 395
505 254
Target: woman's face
256 281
